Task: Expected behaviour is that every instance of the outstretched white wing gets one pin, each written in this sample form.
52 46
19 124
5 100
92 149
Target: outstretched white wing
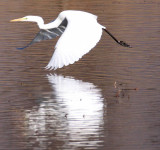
80 36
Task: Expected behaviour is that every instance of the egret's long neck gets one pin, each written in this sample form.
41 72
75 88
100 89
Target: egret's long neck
50 25
40 23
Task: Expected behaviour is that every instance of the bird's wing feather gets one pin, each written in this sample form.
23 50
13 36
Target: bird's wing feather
48 34
78 39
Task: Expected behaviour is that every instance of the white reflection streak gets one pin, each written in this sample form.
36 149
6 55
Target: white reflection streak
80 112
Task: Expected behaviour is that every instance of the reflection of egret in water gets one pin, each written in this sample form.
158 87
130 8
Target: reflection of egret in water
73 116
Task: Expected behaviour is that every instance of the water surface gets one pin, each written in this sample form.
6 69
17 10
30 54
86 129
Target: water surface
107 100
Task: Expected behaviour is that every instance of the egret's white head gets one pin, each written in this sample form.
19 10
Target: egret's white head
28 18
36 19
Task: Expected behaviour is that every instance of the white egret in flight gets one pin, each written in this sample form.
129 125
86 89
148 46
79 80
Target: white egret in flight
79 32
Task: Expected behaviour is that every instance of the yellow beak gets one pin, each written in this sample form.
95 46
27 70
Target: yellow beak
19 19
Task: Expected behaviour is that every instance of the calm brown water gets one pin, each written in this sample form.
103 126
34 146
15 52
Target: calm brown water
93 103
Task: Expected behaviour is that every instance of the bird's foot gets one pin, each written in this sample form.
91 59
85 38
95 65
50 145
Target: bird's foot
124 44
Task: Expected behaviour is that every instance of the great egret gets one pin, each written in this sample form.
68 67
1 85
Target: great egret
79 31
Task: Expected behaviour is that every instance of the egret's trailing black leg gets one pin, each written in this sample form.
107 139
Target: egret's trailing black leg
119 42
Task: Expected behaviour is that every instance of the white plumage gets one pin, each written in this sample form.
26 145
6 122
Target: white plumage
79 32
80 36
